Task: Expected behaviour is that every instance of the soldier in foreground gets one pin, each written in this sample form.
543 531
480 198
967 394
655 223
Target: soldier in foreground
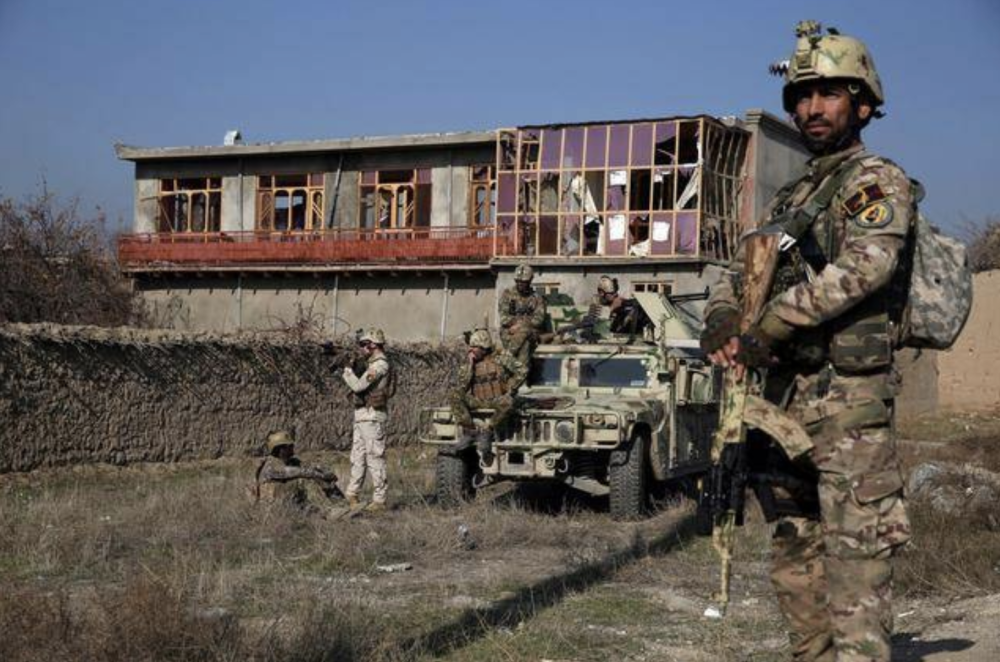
825 338
370 393
522 315
487 380
281 478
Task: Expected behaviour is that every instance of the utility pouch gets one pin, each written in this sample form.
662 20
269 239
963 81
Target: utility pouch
864 346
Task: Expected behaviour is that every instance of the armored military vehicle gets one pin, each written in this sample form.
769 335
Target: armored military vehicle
604 413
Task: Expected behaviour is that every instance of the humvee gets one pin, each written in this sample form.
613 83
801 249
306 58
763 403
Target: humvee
604 413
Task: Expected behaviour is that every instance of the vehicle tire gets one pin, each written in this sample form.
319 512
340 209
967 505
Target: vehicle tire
453 480
627 477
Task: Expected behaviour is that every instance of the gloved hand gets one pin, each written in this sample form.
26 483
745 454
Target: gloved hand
720 326
755 349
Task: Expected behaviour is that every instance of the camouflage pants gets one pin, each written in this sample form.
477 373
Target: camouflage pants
833 576
368 457
519 342
302 494
463 403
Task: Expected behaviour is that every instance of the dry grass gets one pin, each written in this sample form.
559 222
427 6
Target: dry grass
168 562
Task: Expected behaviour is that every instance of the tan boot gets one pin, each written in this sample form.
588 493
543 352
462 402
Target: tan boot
352 502
376 507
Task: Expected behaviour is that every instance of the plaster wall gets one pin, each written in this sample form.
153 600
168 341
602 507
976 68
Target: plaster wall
408 307
970 370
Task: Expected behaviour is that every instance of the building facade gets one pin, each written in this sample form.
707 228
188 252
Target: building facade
419 234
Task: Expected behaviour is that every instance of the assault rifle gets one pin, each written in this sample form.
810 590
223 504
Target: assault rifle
344 358
721 504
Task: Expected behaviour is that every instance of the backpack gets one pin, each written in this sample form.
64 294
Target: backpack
939 296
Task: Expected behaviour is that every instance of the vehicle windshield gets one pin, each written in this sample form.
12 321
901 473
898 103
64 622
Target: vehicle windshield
544 372
628 373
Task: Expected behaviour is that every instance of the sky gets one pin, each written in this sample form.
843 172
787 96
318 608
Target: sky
80 76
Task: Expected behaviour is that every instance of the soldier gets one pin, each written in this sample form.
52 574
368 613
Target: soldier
281 478
826 339
370 393
626 316
522 315
487 380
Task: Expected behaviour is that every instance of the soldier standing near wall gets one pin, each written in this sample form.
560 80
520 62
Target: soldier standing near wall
281 478
522 315
370 393
487 380
826 340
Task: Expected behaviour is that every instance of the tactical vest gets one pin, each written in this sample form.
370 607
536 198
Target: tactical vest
269 491
488 380
377 395
861 340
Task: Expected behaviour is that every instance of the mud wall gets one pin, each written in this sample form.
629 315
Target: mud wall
970 371
81 394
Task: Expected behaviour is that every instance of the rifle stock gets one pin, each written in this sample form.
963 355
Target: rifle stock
724 494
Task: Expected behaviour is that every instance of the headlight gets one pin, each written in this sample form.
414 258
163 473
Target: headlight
608 421
565 432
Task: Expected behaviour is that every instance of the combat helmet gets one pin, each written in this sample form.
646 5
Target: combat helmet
373 335
607 285
278 439
524 272
833 55
480 338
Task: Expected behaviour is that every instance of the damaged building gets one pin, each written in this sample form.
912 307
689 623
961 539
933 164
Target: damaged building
420 233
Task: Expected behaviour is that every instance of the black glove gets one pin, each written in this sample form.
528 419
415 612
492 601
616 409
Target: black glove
756 349
720 326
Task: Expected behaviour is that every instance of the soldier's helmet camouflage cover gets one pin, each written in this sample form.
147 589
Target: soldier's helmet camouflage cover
481 338
524 272
278 439
372 335
607 285
830 56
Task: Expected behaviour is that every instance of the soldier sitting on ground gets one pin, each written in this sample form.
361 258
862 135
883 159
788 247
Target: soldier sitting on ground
487 380
281 478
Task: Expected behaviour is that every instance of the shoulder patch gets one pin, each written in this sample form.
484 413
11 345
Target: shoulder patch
865 197
874 216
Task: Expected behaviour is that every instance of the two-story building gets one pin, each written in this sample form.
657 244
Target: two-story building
419 234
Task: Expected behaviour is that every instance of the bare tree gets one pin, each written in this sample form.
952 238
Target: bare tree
983 239
56 266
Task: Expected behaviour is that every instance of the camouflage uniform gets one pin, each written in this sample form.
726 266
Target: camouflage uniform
370 394
833 324
521 320
289 483
488 384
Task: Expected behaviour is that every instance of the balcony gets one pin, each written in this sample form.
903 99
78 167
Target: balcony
329 248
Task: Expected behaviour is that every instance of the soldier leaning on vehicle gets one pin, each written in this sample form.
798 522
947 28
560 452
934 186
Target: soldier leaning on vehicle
522 315
487 380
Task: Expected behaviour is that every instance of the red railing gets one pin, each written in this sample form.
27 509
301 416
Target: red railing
340 246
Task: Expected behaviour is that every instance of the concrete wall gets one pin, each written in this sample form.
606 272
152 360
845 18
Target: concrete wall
407 306
71 395
777 156
970 371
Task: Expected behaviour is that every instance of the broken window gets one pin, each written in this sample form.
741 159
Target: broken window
190 205
661 287
287 203
626 188
393 200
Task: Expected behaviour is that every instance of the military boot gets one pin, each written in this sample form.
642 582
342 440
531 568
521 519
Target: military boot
352 502
465 441
484 444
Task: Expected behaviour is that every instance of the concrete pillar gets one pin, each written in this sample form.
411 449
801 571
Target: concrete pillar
460 196
346 214
441 192
231 221
248 221
146 206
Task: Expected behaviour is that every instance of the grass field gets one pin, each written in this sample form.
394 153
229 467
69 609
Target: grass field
173 562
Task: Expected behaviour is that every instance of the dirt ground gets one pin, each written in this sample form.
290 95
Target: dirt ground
519 574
